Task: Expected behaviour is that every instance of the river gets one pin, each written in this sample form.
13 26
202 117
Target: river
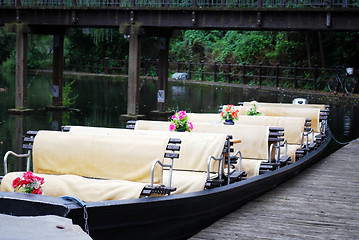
101 102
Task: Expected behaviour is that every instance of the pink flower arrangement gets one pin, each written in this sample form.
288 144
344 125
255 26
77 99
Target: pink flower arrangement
28 183
228 113
180 123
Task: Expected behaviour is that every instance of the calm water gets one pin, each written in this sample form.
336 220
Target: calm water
101 102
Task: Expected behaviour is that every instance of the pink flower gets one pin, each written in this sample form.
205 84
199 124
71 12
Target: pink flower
28 183
182 113
172 127
190 125
16 182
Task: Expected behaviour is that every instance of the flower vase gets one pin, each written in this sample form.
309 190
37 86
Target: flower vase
228 122
180 130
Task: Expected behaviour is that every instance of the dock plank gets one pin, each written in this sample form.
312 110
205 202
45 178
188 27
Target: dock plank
320 203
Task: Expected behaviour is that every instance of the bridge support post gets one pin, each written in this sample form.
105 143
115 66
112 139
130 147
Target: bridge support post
162 83
58 70
133 74
21 66
20 29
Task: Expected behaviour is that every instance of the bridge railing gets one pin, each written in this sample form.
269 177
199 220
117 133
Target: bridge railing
273 75
187 3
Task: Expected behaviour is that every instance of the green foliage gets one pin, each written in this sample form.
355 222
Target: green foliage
7 43
39 51
9 64
67 98
98 43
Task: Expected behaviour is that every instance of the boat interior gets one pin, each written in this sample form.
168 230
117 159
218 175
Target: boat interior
147 160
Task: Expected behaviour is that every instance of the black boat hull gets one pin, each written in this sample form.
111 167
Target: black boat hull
170 217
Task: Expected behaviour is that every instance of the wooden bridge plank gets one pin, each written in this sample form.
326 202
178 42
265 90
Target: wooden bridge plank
320 203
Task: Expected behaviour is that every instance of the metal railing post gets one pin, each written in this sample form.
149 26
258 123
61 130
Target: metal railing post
295 75
190 69
228 72
260 73
105 69
202 70
215 71
315 76
277 75
244 73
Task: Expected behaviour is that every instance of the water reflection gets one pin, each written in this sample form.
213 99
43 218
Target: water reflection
101 101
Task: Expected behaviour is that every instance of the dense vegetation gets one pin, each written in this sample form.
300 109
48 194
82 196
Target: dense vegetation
327 49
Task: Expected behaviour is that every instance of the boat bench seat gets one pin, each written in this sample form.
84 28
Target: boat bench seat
255 140
124 161
190 170
294 127
317 114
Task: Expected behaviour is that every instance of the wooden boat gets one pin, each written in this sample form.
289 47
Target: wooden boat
174 216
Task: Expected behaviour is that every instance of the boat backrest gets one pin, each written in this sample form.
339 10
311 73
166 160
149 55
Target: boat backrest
254 138
204 117
293 126
196 148
289 105
312 113
126 157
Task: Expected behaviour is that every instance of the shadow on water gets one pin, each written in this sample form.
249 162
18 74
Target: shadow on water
101 101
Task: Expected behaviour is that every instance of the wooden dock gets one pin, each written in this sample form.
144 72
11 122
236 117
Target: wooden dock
320 203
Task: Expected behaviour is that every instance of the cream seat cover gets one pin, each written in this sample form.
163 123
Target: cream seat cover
289 105
254 138
293 126
312 113
186 181
126 157
196 148
214 118
88 190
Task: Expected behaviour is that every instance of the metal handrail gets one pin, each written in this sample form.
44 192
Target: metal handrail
162 165
27 155
220 159
277 153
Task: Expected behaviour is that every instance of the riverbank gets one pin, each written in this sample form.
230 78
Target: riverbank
327 97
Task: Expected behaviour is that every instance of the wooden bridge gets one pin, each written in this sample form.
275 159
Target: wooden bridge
159 18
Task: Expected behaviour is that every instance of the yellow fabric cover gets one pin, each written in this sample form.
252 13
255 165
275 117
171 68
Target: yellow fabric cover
254 138
88 190
292 148
195 150
293 126
290 105
251 167
214 118
186 181
312 113
99 130
126 157
152 125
